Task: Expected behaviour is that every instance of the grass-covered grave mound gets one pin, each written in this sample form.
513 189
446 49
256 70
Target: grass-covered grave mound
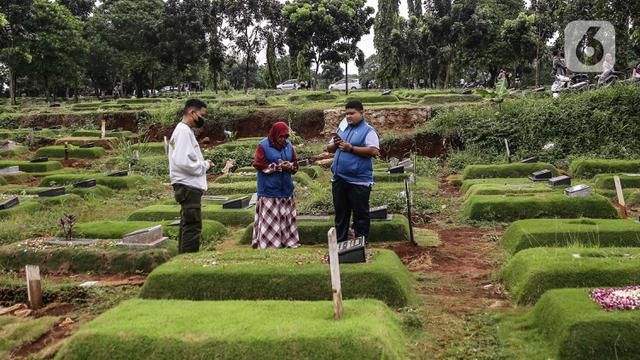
228 217
588 168
507 189
531 206
30 167
525 234
190 330
315 231
515 170
576 327
531 272
278 274
112 182
606 181
57 152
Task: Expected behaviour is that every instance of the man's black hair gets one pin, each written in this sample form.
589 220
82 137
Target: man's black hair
355 104
195 104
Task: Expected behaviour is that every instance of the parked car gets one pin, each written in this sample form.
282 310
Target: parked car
341 85
168 88
292 84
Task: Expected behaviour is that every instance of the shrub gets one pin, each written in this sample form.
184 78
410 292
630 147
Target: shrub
241 217
526 234
577 328
103 258
239 330
605 181
588 168
57 151
515 170
315 232
30 167
113 182
530 206
278 274
531 272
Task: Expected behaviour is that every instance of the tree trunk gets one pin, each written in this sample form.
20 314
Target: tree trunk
46 88
315 83
12 86
346 77
537 65
215 81
246 75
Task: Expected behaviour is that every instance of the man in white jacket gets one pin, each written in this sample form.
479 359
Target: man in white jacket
188 172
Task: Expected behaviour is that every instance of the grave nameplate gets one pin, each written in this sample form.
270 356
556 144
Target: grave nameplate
313 218
145 238
379 213
10 170
119 173
86 183
542 175
216 199
88 145
560 181
59 191
396 170
40 159
352 251
8 204
241 203
579 191
530 160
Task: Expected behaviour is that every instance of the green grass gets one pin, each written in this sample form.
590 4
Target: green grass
112 182
215 212
380 177
455 180
278 274
515 170
467 184
19 178
25 207
103 258
526 234
30 167
531 206
531 272
96 192
242 187
149 148
605 181
588 168
578 328
98 133
315 232
374 99
239 330
313 171
15 331
57 152
212 231
504 189
15 152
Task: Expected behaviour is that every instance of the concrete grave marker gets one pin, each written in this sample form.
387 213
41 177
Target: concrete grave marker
144 239
240 203
396 170
86 184
119 173
10 170
530 160
380 213
58 191
10 203
560 181
579 191
542 175
41 159
215 199
8 145
352 251
313 217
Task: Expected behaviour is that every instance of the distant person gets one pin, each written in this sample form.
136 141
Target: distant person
607 66
275 221
559 73
355 144
188 173
636 73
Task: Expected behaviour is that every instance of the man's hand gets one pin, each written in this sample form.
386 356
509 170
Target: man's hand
211 164
345 146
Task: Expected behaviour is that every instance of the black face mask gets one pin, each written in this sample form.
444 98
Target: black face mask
199 122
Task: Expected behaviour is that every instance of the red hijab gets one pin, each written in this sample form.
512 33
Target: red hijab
278 130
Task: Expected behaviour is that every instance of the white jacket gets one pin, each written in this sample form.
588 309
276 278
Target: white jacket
186 163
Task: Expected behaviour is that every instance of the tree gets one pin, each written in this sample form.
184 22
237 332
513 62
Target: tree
386 29
415 8
14 38
79 8
332 73
217 34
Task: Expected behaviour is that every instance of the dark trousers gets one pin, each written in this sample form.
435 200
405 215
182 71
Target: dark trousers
190 200
349 198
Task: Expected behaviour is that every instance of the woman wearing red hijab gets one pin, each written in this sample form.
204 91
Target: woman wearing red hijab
276 162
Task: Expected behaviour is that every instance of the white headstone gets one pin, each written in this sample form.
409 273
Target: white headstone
10 170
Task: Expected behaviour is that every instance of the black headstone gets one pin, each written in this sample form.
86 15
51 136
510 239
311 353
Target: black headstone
55 105
55 127
86 184
397 170
37 128
560 181
241 203
542 175
40 159
88 145
530 160
352 251
379 213
119 173
8 204
302 163
467 92
59 191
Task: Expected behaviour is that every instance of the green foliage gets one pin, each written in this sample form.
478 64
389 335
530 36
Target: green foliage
526 234
16 332
313 171
507 189
239 330
531 272
291 274
315 232
578 328
588 168
30 167
113 182
529 206
75 152
28 206
96 192
227 217
515 170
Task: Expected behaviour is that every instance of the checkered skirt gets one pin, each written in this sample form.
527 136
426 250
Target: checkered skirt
275 223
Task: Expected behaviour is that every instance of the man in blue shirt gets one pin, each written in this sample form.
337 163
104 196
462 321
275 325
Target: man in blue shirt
354 144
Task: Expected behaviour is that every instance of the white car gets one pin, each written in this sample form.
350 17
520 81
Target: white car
341 85
292 84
